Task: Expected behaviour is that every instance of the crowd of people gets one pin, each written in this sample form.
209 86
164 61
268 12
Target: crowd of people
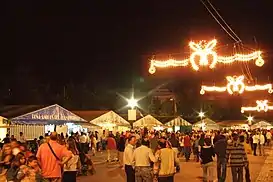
52 158
144 155
153 156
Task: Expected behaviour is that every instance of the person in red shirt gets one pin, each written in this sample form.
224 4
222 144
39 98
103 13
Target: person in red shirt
111 147
187 147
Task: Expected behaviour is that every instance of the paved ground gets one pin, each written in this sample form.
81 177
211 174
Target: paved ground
266 173
261 169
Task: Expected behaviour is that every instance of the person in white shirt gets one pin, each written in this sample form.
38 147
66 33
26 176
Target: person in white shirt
268 138
83 142
22 138
255 143
261 144
143 156
128 159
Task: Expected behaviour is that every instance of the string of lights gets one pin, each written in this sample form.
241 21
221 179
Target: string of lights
203 50
261 105
236 85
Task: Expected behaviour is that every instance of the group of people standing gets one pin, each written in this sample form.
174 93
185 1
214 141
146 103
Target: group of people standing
142 164
154 156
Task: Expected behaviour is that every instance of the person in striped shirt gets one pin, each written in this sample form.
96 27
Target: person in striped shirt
237 158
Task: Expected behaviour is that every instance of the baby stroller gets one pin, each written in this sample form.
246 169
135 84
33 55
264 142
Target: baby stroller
87 167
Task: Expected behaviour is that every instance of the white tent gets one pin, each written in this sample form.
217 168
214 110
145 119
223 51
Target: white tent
3 127
262 125
206 124
147 121
110 119
179 121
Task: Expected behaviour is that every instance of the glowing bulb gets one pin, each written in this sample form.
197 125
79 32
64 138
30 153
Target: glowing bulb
250 118
132 102
259 62
152 70
201 114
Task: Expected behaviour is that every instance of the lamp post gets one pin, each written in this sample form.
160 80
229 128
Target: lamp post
173 100
132 103
202 115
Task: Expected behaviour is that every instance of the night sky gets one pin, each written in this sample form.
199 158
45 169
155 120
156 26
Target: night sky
110 42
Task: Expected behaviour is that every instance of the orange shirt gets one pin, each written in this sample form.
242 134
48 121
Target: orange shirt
49 164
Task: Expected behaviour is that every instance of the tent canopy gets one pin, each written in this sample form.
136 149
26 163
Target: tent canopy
262 125
178 121
147 121
208 123
53 114
110 118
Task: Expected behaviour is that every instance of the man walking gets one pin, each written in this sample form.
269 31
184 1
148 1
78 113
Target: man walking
255 143
268 138
237 158
128 159
261 144
143 156
187 147
220 147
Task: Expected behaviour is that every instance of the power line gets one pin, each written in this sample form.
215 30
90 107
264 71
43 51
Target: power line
218 21
238 40
224 21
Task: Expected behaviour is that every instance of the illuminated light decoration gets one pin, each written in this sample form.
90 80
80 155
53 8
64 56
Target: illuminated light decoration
261 105
203 53
203 50
164 64
236 85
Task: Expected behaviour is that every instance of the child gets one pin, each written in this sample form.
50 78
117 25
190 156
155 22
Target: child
206 155
31 172
18 161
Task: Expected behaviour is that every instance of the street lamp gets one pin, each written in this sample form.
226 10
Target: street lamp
201 115
132 102
250 119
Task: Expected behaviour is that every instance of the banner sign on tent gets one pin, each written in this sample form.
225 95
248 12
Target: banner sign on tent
50 113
